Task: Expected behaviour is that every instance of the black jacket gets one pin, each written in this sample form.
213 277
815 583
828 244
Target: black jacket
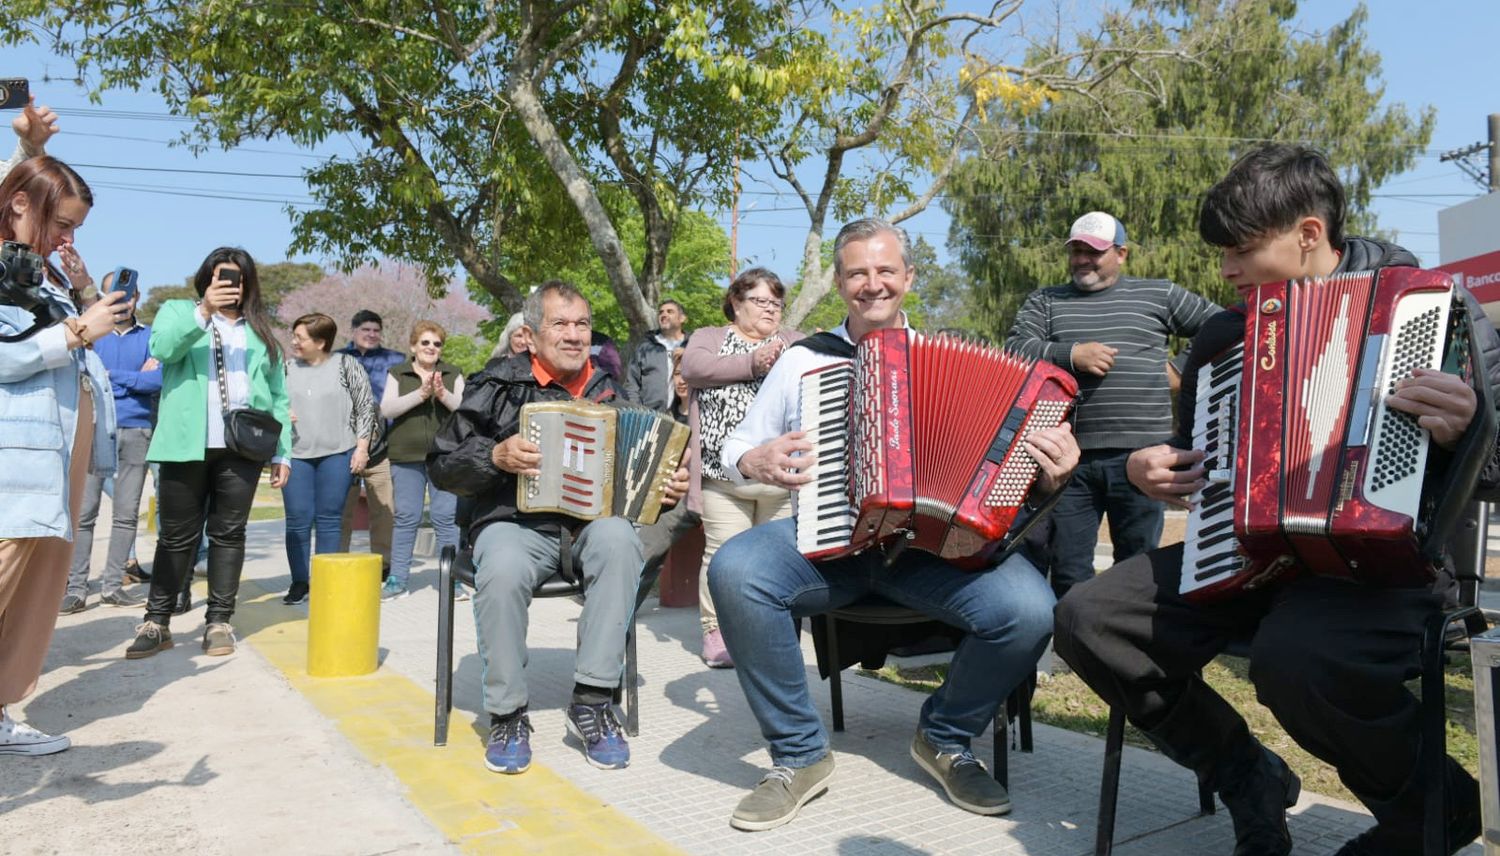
459 460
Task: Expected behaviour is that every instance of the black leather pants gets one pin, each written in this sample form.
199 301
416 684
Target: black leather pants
219 489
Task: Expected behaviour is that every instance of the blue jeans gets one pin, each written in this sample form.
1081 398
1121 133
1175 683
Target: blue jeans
1099 488
760 583
314 495
412 489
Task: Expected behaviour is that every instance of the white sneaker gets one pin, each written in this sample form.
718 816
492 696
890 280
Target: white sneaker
18 738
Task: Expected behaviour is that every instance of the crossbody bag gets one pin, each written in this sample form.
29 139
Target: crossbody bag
251 433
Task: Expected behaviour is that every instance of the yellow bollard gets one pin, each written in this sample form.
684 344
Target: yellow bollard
151 514
343 621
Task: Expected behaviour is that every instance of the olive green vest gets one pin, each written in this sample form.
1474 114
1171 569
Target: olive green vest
412 431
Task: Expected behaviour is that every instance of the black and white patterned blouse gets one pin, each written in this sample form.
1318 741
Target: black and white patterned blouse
721 408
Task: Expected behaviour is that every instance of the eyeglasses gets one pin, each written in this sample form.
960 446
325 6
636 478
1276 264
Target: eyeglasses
770 303
430 343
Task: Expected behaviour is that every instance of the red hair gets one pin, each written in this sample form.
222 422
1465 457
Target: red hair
46 182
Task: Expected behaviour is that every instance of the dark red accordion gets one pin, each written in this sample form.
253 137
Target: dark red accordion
918 443
1308 467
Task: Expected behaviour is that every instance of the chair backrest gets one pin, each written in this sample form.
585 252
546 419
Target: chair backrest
564 583
1468 549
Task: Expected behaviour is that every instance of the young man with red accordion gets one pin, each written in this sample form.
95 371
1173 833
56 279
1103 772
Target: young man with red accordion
760 580
1328 656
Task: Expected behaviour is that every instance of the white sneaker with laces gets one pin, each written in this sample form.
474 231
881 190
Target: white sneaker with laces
18 738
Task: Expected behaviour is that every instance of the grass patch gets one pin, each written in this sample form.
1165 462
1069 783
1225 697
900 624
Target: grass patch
261 512
1065 701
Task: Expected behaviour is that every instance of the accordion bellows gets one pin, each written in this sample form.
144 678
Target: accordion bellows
920 440
599 461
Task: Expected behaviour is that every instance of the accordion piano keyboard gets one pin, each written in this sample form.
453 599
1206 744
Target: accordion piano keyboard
1210 551
825 519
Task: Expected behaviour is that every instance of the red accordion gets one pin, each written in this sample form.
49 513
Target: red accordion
1307 465
918 442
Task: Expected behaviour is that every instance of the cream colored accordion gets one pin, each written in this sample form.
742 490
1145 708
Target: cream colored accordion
599 461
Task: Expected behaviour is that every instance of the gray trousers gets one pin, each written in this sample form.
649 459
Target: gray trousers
510 560
130 479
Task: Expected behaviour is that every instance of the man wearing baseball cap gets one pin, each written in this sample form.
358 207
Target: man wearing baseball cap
1111 332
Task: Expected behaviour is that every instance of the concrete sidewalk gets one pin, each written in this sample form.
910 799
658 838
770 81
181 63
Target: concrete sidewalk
182 753
188 754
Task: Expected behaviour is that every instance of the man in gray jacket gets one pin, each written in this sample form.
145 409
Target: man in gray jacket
648 381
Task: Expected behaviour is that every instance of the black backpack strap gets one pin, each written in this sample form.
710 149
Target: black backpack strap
39 324
827 344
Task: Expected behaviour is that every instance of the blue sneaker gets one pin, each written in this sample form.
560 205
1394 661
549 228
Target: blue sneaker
393 589
509 749
603 741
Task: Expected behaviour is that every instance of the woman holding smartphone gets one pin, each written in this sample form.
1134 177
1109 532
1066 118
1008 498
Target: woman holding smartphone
217 354
57 419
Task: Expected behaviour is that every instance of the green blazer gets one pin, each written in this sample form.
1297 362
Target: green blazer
185 351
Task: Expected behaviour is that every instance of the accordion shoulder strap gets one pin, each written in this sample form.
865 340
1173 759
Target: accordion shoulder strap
827 344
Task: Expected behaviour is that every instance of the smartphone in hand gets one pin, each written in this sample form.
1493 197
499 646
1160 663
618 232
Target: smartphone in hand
15 93
126 280
231 276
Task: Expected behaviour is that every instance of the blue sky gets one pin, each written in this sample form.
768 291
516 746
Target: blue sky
164 223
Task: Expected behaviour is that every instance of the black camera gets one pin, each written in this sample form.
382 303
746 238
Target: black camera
21 275
15 93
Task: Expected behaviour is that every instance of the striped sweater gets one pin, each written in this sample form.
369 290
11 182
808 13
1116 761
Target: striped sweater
1131 406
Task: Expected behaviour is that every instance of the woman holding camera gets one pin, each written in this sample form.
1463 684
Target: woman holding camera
56 415
219 358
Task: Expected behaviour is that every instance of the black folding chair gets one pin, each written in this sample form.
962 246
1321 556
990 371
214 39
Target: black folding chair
878 611
1446 631
458 566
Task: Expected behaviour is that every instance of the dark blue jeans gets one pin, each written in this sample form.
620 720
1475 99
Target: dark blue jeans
1099 488
314 497
760 583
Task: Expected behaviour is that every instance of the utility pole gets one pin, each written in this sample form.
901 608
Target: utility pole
1494 152
1467 160
734 215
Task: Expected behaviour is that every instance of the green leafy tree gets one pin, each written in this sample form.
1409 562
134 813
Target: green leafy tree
697 265
1146 148
282 278
276 281
156 295
882 100
478 123
467 353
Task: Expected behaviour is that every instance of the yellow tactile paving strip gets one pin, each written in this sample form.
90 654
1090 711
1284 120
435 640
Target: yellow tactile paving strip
389 719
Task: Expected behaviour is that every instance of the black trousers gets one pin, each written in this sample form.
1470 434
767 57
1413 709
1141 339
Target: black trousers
220 488
1327 657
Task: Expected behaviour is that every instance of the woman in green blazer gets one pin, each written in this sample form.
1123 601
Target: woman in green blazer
200 478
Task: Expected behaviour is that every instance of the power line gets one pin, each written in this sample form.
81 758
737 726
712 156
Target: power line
189 171
1123 137
224 197
170 144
